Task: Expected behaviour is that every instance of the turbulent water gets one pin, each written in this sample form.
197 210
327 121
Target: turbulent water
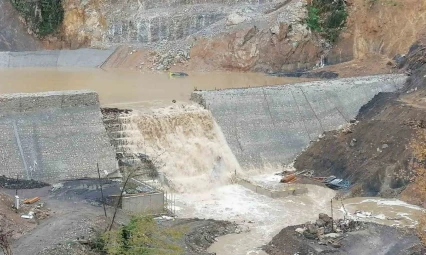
186 145
189 148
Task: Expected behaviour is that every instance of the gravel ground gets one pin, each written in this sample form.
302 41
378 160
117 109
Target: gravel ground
200 234
372 240
76 215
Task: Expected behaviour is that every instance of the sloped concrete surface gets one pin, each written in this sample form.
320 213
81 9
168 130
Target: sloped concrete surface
274 124
55 58
53 136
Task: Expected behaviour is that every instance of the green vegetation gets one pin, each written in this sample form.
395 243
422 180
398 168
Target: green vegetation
142 236
327 17
313 19
43 17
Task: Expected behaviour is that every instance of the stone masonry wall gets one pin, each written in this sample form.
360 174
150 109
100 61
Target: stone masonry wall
53 136
274 124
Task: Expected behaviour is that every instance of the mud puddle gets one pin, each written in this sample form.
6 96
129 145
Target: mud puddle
127 88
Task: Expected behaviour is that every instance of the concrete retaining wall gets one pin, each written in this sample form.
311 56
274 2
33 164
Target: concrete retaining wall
55 58
274 124
144 203
53 136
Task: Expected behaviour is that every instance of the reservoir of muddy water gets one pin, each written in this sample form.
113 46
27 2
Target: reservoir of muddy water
127 88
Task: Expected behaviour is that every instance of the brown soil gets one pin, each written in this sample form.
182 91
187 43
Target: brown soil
251 49
11 220
376 155
369 65
387 27
376 32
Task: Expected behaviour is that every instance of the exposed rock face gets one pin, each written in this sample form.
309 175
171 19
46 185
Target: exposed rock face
252 49
83 22
13 35
215 35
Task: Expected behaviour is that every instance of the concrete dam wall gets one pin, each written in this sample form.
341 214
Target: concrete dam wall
274 124
53 136
55 58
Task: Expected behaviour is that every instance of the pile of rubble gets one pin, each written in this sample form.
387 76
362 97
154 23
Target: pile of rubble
327 231
29 209
167 60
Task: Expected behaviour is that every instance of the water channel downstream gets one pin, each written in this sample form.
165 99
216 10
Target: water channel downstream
194 149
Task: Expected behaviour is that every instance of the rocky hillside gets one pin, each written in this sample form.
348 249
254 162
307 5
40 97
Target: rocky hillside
235 35
271 36
376 153
13 35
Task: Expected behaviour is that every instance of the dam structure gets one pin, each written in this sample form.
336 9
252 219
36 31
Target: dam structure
272 125
90 58
53 136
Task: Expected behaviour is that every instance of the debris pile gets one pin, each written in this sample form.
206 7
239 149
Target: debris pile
34 211
167 60
327 231
331 182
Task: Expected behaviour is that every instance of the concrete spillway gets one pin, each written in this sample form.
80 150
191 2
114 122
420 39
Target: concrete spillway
53 136
274 124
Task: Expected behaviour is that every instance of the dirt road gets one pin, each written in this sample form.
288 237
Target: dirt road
69 220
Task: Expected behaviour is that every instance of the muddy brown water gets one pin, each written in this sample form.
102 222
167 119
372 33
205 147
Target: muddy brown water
127 88
260 217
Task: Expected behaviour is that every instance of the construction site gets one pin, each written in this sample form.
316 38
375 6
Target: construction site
228 127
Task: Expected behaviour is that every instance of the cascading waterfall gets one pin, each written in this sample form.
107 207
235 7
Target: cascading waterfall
185 143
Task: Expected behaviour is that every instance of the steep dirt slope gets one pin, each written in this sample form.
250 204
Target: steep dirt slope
376 154
275 38
387 27
13 35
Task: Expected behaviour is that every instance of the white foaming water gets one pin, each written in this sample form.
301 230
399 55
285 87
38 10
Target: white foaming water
186 145
189 147
261 217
